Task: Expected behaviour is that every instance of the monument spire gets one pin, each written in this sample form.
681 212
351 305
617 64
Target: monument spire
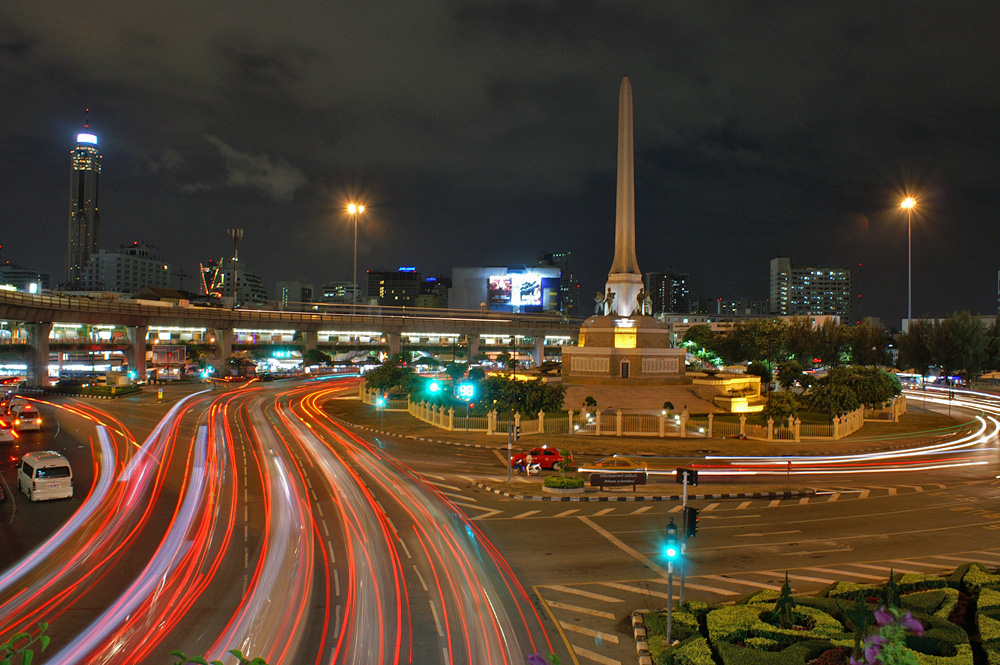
625 262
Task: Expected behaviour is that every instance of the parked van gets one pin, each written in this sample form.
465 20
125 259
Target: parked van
26 417
45 475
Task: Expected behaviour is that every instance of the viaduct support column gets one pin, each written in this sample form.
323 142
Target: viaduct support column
136 354
539 353
38 356
394 341
223 350
309 340
473 346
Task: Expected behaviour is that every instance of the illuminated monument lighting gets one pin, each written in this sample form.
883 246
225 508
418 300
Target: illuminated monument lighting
84 213
621 344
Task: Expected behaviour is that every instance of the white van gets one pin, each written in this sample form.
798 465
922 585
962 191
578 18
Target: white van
26 417
45 475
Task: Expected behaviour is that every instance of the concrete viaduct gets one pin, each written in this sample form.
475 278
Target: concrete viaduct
38 314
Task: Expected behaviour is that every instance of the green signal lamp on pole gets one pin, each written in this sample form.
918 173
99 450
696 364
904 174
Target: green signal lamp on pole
671 548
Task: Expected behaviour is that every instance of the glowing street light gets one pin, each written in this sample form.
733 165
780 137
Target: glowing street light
355 210
907 204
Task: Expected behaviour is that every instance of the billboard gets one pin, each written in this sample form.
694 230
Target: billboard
527 291
499 291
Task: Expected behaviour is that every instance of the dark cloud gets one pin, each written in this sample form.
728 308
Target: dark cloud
485 132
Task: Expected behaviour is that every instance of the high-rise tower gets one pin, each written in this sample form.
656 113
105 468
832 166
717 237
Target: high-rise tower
84 213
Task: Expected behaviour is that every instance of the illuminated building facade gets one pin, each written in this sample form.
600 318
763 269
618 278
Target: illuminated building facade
669 291
569 288
292 294
808 291
398 288
84 208
126 270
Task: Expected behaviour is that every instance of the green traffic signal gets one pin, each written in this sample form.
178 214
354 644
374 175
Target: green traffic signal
671 548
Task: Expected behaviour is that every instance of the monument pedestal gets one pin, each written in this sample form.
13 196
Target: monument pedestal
623 351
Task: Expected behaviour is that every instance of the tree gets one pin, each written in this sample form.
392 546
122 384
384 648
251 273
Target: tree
870 385
762 370
958 345
832 343
760 339
835 400
802 341
868 344
506 360
316 357
780 406
699 335
915 347
527 397
789 373
477 373
455 371
388 376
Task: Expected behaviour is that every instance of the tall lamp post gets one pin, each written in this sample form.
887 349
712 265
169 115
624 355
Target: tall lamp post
907 205
235 234
355 210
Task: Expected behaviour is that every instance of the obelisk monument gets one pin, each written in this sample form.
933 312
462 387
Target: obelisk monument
625 278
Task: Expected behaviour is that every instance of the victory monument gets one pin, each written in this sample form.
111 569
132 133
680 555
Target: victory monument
622 345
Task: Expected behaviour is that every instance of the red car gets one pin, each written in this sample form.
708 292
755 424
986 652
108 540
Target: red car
547 458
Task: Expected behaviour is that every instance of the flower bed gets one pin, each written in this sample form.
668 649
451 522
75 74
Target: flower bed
822 629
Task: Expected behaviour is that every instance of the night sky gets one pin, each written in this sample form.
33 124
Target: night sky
481 133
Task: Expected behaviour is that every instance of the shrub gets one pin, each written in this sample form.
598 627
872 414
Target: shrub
919 582
988 599
834 656
989 628
841 589
797 654
737 623
924 601
563 482
683 624
691 651
977 577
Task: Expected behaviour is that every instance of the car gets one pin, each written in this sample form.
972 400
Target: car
613 464
547 458
7 434
69 383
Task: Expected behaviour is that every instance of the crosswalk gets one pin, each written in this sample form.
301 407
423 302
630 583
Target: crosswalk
588 613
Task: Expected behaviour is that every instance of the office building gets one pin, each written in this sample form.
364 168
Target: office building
84 209
126 270
293 294
569 288
340 293
395 288
23 279
669 292
809 291
250 289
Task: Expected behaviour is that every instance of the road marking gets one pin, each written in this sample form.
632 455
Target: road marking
623 547
833 497
607 637
759 585
676 509
461 497
336 625
523 515
640 511
911 562
840 572
769 533
325 529
336 581
864 494
773 503
567 512
437 621
804 500
585 594
804 578
895 569
581 610
500 457
431 475
711 506
892 491
709 589
405 548
450 487
420 577
743 505
605 511
490 512
964 559
596 657
808 552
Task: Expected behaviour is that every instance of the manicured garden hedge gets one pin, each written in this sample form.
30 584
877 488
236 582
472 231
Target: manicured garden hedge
960 614
563 482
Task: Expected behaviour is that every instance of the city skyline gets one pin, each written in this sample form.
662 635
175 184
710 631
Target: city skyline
481 136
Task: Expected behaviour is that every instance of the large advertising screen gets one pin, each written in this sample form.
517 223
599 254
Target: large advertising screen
524 292
499 291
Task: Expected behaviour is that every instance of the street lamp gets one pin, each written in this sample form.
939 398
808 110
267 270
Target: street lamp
907 205
354 210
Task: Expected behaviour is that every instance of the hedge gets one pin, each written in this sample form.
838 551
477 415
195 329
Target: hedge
978 577
563 482
692 651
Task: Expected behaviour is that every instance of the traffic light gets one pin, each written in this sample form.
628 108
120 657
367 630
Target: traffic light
434 387
671 548
517 431
690 522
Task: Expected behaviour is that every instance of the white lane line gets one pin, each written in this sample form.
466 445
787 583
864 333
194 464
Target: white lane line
405 548
773 503
448 487
769 533
596 657
431 475
635 589
437 621
963 559
523 515
895 569
585 594
336 581
490 512
711 506
319 509
420 577
640 511
607 637
743 505
833 497
731 580
804 500
459 497
701 587
922 564
329 548
336 625
566 513
605 511
849 572
623 547
676 509
864 494
325 529
581 610
804 578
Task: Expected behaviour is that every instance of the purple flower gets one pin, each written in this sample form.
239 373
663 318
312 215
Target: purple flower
872 648
852 661
536 659
911 624
883 617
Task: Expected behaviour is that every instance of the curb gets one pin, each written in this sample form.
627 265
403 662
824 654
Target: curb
646 497
639 632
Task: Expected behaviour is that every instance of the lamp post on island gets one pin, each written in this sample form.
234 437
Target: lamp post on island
355 210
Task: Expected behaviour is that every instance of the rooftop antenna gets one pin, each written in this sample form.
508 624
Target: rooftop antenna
86 119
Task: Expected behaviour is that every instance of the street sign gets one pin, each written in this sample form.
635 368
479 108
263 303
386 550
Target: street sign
622 479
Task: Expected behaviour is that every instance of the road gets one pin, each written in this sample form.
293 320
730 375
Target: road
252 519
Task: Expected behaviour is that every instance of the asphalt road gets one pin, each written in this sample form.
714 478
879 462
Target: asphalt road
266 525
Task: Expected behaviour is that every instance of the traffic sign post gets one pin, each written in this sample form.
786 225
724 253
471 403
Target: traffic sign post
685 476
